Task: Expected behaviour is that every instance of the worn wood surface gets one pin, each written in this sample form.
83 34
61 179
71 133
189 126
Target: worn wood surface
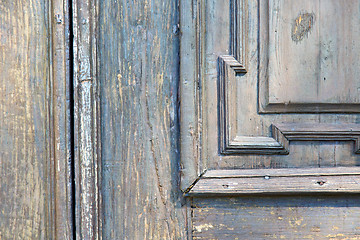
282 172
35 189
312 47
338 180
86 121
231 112
241 121
191 62
60 121
318 218
138 74
277 185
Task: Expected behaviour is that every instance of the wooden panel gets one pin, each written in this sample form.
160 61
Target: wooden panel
35 160
138 47
209 70
311 50
316 217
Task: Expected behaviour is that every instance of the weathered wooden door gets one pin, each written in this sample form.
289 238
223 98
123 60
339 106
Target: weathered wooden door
265 145
270 125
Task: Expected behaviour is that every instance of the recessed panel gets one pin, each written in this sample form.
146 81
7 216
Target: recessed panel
313 52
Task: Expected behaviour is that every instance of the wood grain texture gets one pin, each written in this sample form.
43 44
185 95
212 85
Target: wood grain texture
285 132
308 54
307 217
245 123
239 28
338 180
86 121
138 74
191 62
218 85
35 189
60 125
348 184
285 172
325 53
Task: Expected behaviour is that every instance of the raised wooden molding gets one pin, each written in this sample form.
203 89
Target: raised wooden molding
237 58
282 133
345 180
285 132
235 65
238 35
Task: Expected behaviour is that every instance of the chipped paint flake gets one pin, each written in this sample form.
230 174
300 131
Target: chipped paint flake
302 26
202 227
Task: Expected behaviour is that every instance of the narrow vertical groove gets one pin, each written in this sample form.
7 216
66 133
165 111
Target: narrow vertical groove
72 131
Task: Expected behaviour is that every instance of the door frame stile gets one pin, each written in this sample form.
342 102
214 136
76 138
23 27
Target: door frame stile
86 121
192 25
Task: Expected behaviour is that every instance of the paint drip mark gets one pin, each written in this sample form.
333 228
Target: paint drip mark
302 26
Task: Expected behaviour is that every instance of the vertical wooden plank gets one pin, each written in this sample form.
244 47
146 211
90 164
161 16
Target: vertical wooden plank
24 86
61 126
86 121
35 190
138 74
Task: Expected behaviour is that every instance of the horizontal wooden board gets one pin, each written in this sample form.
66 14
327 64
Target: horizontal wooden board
240 173
278 181
285 217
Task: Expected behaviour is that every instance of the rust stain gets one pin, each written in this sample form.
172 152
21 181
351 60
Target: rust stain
302 26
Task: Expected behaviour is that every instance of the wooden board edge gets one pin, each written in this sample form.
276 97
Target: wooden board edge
86 121
344 180
61 189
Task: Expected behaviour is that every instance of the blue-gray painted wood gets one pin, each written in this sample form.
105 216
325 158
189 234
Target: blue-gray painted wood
138 54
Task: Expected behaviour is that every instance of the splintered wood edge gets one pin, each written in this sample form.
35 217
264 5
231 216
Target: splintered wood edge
278 181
